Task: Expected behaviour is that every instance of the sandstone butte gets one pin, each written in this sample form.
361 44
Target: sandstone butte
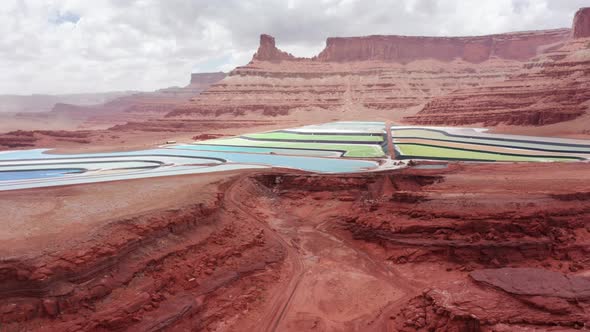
491 80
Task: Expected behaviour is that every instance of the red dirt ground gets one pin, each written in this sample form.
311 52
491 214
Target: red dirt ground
469 247
135 135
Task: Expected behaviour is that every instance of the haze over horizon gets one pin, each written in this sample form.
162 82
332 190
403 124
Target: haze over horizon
74 46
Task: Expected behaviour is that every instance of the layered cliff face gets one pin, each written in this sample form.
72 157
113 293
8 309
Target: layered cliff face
549 89
367 77
364 88
581 28
404 49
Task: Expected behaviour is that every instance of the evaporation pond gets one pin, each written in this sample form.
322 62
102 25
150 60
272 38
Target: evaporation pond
37 174
248 149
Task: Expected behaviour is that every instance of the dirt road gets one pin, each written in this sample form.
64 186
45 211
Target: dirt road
330 284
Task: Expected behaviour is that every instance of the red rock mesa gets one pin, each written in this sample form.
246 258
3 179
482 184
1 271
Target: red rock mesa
449 80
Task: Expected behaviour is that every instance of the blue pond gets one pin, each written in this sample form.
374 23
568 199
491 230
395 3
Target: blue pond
264 150
312 164
171 161
37 174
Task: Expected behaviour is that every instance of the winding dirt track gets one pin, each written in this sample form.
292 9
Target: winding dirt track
281 298
317 258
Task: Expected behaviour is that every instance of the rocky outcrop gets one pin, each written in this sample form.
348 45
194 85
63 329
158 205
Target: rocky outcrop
505 299
465 306
18 139
174 125
581 28
24 139
535 282
267 51
150 272
403 49
477 255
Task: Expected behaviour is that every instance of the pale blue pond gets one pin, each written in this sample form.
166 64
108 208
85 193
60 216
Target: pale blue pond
312 164
36 168
354 123
247 149
366 127
37 174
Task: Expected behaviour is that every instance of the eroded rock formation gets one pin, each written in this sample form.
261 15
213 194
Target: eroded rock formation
267 51
404 49
472 252
552 88
532 78
278 85
372 76
167 269
581 28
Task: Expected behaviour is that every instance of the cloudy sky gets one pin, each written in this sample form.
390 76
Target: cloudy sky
68 46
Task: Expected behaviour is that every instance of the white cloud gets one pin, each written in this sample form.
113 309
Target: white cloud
65 46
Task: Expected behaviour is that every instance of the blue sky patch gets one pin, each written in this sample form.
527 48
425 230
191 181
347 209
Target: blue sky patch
65 17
